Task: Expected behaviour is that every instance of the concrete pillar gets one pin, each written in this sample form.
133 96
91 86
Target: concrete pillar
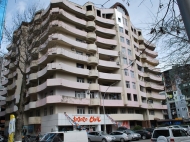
98 128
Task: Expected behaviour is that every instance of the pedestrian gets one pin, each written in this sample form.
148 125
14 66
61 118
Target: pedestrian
38 138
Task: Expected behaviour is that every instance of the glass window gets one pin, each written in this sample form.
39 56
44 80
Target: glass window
51 110
132 74
179 133
125 61
81 80
123 50
128 41
122 39
119 20
91 95
80 65
127 84
128 96
45 111
158 133
37 112
90 110
130 111
135 97
120 29
134 85
80 110
151 112
78 52
80 94
129 52
122 110
126 72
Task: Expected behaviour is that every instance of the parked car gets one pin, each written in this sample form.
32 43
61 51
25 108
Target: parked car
149 129
178 126
168 134
122 128
187 128
121 136
1 138
144 134
135 136
100 136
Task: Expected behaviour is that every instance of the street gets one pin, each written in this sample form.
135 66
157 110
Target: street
147 140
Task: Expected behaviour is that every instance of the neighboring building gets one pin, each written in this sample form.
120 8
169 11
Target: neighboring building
176 87
90 52
3 80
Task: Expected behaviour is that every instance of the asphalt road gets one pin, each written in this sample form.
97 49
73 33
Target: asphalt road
147 140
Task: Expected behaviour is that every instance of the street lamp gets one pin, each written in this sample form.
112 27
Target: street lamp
104 107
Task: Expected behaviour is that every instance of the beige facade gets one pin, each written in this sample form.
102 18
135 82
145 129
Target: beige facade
83 50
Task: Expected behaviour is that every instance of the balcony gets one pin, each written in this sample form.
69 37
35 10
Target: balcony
108 52
132 103
62 99
105 21
90 14
5 73
30 106
154 77
9 47
109 64
165 112
111 89
34 120
154 86
94 87
10 98
143 56
124 117
112 103
157 106
93 73
91 25
6 64
92 47
11 109
91 36
92 60
141 47
2 113
152 61
156 96
106 31
144 105
151 53
4 92
4 82
109 76
12 75
12 86
108 42
2 103
94 102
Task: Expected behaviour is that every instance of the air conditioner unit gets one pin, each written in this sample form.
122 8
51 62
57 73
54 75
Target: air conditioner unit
118 63
73 49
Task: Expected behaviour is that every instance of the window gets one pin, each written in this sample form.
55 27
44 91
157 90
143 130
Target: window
132 74
123 50
134 85
135 97
89 67
126 72
45 111
79 94
81 80
119 20
90 110
162 132
51 110
150 101
130 111
128 96
127 84
80 110
37 112
80 40
120 29
51 92
125 61
91 95
129 52
89 81
80 66
125 21
78 52
128 41
89 8
122 39
122 110
126 32
151 112
141 88
179 133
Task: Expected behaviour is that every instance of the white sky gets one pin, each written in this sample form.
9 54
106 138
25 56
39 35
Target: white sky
141 12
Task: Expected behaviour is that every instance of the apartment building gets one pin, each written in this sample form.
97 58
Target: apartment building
176 82
89 57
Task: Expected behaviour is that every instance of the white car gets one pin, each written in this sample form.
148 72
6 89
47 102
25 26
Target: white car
121 136
168 134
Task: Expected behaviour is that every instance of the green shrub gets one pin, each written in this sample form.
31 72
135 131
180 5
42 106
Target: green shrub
137 127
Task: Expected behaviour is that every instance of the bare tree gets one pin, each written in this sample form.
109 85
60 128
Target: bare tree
25 36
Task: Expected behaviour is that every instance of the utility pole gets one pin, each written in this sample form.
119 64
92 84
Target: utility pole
184 7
